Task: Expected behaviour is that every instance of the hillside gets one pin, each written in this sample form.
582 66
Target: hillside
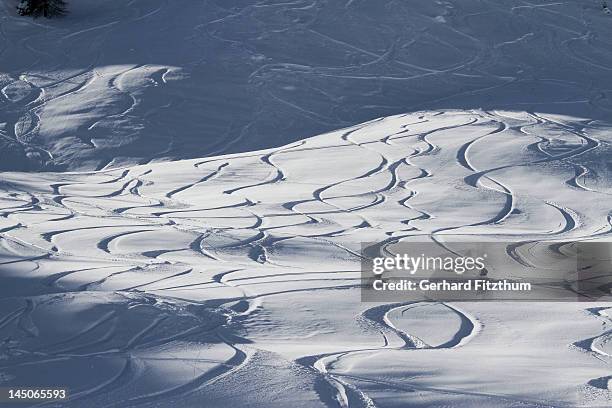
186 186
115 84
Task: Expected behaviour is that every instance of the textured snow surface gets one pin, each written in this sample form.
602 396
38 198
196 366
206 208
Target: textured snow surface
127 82
230 278
234 279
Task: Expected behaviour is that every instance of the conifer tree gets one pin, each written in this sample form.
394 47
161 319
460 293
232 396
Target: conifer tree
45 8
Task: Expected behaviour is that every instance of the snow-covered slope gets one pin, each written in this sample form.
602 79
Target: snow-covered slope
230 278
123 83
185 282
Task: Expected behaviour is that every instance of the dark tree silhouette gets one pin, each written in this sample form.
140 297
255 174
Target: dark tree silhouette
45 8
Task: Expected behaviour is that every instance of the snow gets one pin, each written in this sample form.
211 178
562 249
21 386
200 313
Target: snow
115 85
230 276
